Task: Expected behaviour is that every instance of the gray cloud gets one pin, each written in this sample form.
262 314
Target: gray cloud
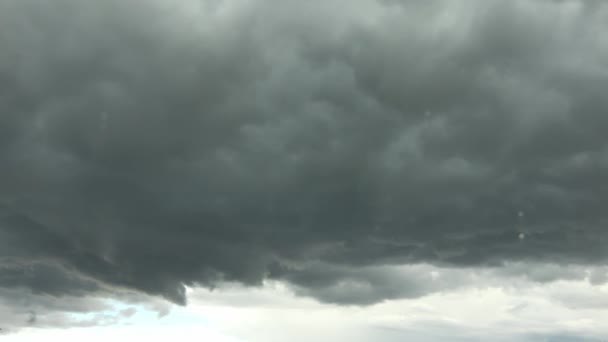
565 337
150 145
368 285
32 305
20 307
45 278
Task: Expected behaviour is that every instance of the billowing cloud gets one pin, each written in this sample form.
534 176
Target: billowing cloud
151 146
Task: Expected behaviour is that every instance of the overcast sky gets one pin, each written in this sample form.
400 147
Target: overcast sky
265 170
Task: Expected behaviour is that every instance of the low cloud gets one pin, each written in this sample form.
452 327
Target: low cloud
152 146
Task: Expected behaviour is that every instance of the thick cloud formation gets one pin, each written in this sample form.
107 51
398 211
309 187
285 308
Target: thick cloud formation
150 145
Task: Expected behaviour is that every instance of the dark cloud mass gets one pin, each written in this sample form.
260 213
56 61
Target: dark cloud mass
151 145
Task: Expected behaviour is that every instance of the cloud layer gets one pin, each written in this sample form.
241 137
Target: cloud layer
150 145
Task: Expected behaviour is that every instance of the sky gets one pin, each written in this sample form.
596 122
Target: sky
264 170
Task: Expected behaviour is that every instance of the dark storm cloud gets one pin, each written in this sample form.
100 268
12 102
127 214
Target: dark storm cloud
45 278
369 285
150 145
